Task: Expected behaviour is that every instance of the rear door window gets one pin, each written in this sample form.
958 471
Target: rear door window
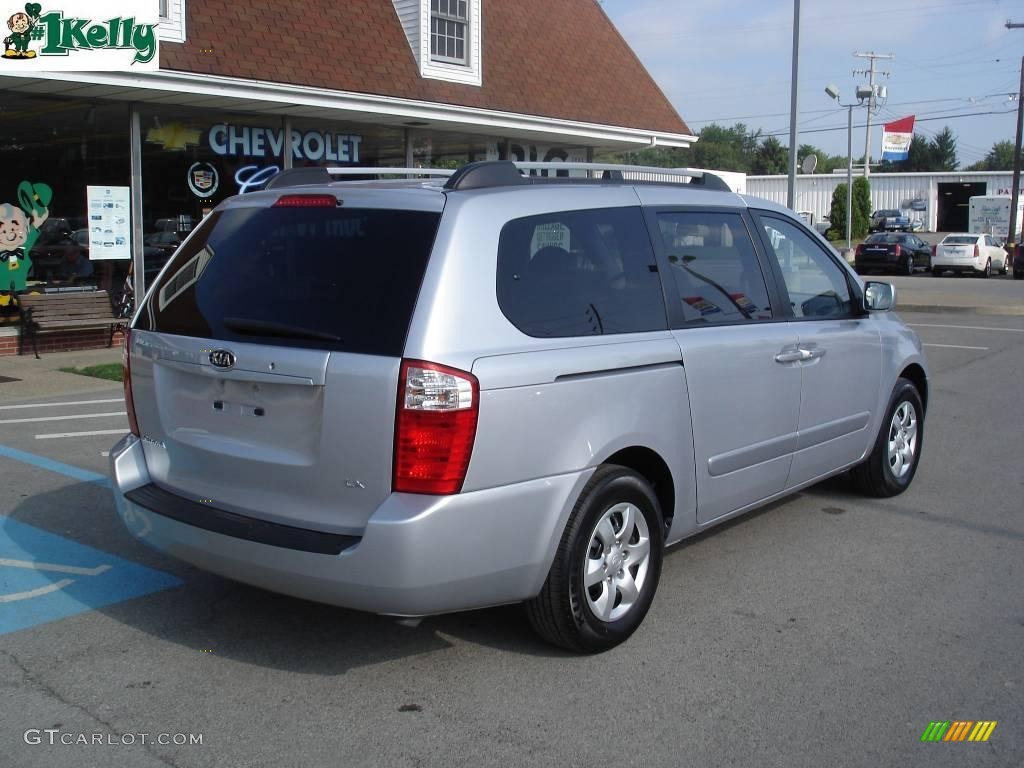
715 271
580 273
325 278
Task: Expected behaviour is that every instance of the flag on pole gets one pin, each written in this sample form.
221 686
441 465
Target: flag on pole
896 138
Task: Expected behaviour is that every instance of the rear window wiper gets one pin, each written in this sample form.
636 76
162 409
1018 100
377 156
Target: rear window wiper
253 327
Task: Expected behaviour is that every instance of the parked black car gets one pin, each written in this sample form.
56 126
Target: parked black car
893 252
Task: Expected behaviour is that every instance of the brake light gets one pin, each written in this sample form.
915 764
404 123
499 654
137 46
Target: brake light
860 250
935 250
126 377
435 426
306 201
977 251
899 251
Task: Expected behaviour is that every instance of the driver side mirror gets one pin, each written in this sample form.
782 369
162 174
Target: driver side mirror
879 297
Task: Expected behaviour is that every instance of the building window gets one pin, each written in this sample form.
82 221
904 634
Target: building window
172 21
449 27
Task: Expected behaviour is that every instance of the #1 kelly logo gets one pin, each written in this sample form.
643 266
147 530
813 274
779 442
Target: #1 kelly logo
99 38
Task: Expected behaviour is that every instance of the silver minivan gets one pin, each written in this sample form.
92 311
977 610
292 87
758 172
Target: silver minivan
420 396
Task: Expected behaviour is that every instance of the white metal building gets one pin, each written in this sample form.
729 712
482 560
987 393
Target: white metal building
940 200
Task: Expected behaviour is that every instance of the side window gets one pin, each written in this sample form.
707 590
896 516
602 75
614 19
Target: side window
580 273
817 285
715 272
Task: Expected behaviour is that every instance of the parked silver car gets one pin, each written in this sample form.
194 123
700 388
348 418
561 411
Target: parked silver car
414 397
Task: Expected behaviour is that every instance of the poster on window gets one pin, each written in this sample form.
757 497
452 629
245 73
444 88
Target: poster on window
109 222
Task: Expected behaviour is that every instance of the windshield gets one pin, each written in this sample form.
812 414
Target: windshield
960 240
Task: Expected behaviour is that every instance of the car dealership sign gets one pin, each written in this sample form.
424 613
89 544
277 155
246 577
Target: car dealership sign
75 36
226 139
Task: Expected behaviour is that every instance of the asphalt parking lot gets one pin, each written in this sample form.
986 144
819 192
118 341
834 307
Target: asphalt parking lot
828 629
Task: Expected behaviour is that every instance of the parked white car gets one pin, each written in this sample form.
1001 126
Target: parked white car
961 252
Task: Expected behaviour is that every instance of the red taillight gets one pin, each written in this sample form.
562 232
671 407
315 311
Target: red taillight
935 250
860 249
977 251
126 376
899 251
435 427
306 201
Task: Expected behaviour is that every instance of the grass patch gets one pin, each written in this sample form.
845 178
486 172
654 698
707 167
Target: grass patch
111 371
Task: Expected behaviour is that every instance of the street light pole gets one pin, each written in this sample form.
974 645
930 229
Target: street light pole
791 189
849 178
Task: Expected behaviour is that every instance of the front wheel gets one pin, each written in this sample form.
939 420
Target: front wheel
607 566
892 463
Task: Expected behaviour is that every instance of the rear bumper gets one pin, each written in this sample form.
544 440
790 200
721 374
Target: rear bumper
418 555
969 264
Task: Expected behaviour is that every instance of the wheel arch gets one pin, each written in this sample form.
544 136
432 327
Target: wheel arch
653 468
916 375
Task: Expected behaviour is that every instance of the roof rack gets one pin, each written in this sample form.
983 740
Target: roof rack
499 173
505 173
297 177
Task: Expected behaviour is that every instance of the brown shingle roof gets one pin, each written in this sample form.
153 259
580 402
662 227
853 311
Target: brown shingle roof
554 58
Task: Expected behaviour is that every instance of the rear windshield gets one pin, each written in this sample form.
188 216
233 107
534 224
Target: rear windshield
960 240
324 278
886 239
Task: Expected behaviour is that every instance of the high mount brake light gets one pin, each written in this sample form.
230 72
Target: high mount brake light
435 427
306 201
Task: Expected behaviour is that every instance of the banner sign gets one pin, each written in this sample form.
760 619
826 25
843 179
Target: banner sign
79 35
896 138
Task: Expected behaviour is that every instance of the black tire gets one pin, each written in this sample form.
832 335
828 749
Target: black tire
908 266
562 613
987 271
1018 274
875 476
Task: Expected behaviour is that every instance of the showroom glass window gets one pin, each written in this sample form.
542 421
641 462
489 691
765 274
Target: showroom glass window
63 146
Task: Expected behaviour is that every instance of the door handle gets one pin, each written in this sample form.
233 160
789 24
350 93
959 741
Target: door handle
813 353
790 356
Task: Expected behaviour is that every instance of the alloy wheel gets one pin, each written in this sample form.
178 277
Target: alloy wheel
902 449
616 562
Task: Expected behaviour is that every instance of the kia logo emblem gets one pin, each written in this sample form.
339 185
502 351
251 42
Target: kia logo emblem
221 358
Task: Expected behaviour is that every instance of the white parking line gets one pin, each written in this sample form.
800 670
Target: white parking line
52 405
965 327
957 346
65 418
56 435
32 565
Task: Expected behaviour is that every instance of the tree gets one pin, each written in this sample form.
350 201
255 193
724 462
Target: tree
999 158
837 214
771 158
826 162
861 206
943 148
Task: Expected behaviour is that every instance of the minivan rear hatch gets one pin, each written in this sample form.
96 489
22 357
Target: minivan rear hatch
265 360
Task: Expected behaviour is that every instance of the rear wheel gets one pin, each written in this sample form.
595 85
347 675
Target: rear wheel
607 566
892 463
987 271
908 265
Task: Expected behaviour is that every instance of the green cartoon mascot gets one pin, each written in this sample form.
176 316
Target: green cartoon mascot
21 24
19 230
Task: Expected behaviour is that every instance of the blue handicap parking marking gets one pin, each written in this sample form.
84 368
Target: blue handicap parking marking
45 577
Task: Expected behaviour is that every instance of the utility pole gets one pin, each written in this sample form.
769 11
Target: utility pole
1015 192
870 72
791 188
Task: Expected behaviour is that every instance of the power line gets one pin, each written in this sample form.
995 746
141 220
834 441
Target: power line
920 120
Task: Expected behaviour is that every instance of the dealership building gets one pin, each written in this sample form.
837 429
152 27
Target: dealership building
131 160
938 200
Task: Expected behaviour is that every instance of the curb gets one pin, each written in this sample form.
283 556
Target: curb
948 309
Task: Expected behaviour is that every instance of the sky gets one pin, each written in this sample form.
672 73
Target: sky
730 62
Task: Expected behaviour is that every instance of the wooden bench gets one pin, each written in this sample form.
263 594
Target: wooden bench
65 312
